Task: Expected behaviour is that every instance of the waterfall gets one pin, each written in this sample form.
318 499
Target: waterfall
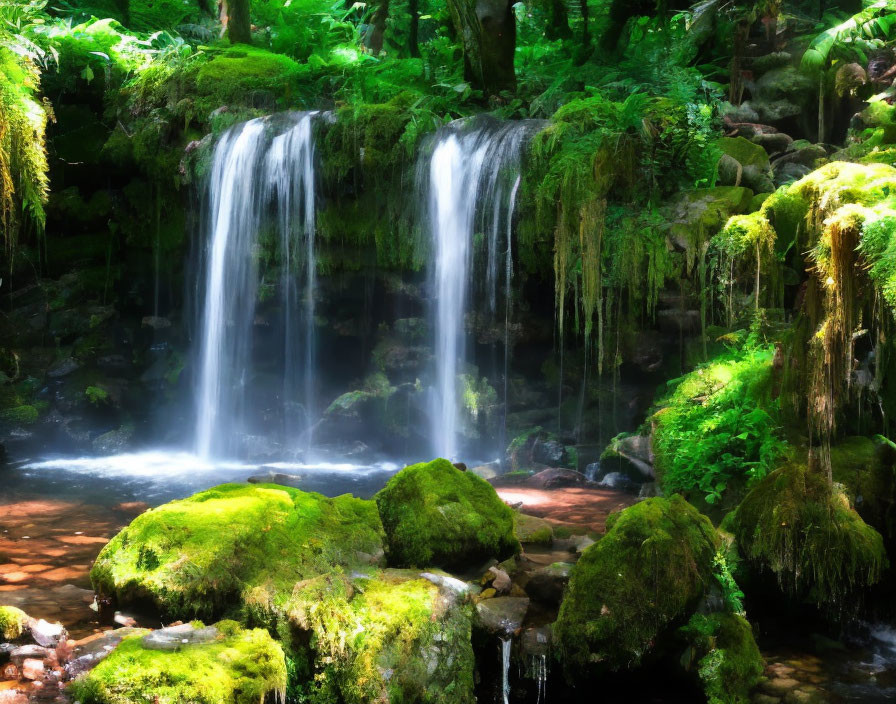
505 669
257 166
473 177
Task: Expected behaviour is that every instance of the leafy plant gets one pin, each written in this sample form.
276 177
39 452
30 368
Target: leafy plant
718 426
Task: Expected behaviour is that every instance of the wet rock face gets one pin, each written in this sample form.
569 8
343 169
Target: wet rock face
502 616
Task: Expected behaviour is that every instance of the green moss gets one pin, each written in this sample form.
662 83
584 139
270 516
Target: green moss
724 652
12 622
233 73
718 426
386 636
645 576
794 524
207 554
25 414
530 530
240 667
435 514
744 151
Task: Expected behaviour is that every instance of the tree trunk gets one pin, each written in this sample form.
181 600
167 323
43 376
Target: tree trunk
239 26
557 20
487 29
378 28
413 44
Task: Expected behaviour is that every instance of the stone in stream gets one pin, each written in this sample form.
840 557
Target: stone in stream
292 480
175 637
89 651
28 652
556 477
502 616
46 634
547 584
33 669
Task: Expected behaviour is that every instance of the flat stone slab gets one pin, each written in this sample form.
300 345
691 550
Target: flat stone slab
175 637
503 615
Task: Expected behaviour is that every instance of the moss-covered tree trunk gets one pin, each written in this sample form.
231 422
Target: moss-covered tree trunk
487 29
239 26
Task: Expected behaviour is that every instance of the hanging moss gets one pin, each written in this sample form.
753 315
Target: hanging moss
24 185
796 525
645 576
436 514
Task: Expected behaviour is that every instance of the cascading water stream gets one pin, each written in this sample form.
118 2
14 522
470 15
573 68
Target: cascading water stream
505 669
473 177
253 168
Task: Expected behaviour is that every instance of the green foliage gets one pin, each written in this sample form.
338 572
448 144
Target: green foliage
856 35
435 514
795 524
96 395
717 428
240 667
24 184
594 177
645 576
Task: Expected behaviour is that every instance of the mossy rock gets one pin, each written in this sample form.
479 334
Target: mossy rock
696 216
239 71
722 649
386 636
205 555
644 577
239 667
866 469
530 530
436 514
745 152
796 525
12 622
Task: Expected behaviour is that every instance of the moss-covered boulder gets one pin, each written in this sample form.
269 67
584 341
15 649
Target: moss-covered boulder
798 526
386 636
237 667
722 651
436 514
866 468
644 577
208 554
12 622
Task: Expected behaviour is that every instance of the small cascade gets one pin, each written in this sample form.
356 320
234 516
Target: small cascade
539 672
505 669
472 176
261 166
